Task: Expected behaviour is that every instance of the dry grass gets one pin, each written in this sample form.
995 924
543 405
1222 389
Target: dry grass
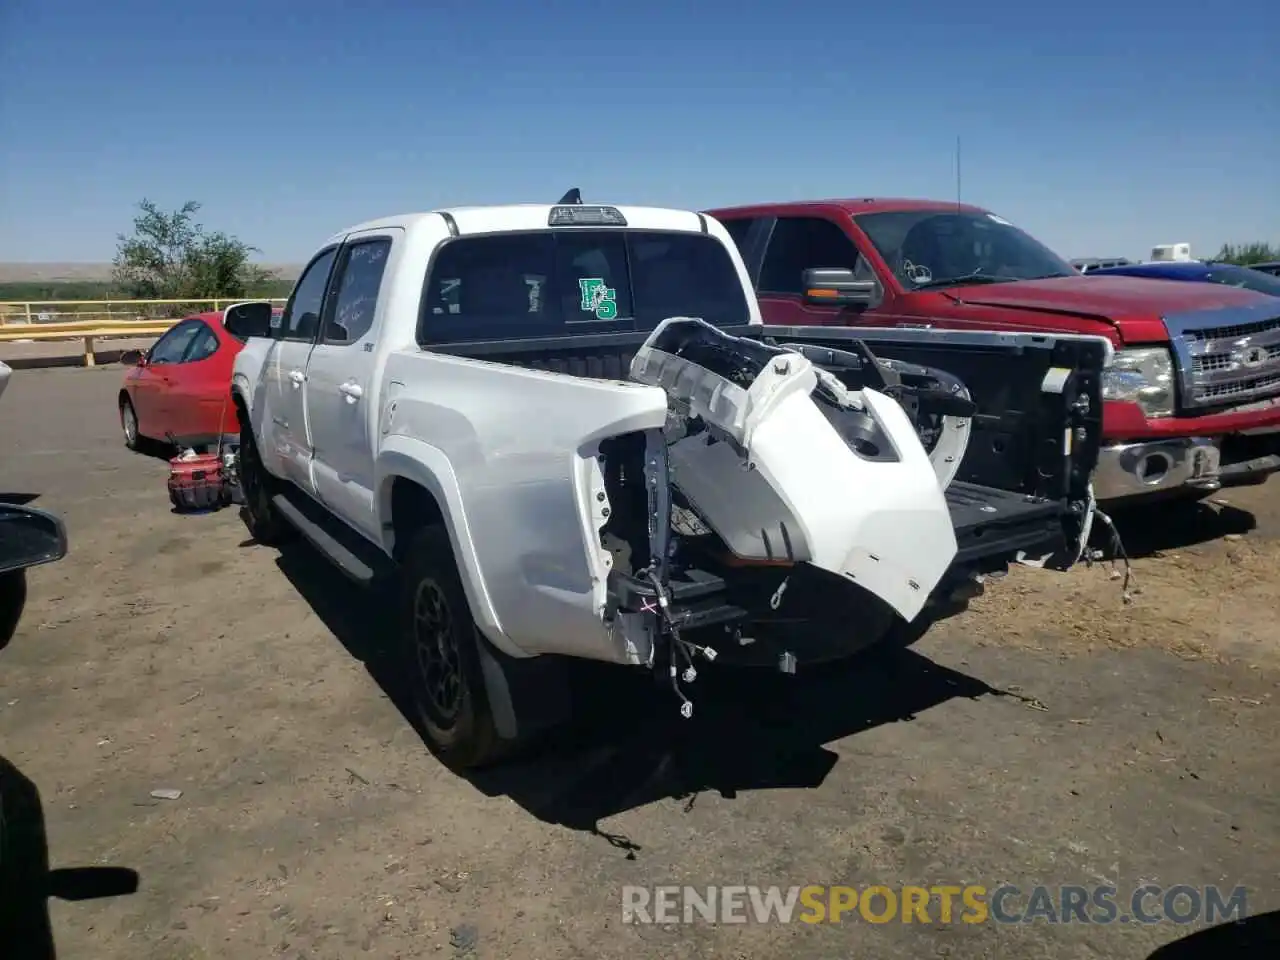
1210 600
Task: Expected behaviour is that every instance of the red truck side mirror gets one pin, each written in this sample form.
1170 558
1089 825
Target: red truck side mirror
836 287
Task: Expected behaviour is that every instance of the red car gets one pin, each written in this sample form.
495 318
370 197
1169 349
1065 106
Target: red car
177 391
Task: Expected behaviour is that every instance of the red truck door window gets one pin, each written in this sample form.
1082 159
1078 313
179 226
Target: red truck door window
798 244
801 243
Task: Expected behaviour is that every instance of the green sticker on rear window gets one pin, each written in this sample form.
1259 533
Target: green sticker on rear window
598 298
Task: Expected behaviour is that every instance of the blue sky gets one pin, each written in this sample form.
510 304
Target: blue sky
1100 128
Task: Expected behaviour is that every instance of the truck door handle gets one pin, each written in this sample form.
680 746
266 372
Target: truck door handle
297 376
352 391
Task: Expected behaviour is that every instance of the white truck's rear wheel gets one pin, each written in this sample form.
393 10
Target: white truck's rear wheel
441 660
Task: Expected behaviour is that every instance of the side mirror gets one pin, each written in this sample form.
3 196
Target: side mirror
836 287
133 358
29 537
253 318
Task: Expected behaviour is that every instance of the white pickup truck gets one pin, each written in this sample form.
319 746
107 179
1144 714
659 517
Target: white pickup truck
564 432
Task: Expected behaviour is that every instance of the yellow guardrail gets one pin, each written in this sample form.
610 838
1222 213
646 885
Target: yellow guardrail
87 331
71 330
55 311
88 320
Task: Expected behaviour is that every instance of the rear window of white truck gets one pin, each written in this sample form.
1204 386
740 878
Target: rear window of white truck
514 286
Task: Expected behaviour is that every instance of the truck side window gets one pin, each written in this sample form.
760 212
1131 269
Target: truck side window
359 278
803 243
302 312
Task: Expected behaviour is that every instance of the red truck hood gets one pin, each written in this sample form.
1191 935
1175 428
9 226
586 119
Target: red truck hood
1113 299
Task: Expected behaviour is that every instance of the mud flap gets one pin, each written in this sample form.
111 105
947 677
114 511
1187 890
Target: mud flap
784 463
527 696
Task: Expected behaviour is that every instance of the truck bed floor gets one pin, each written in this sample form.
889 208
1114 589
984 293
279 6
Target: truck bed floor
989 521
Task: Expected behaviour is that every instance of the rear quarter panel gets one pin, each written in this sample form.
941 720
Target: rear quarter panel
507 451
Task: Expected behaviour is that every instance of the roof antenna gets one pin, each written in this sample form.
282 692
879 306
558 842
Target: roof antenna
957 173
573 196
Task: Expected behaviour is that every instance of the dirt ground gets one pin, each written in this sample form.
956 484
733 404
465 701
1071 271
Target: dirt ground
1051 735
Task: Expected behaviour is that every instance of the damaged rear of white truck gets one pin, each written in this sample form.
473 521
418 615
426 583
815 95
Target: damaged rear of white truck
563 432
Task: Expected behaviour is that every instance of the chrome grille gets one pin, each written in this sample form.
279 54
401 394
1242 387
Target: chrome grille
1226 356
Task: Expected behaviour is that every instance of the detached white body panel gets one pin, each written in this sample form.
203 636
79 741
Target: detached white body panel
777 481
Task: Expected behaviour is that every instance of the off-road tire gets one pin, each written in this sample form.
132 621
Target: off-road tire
439 652
264 521
135 440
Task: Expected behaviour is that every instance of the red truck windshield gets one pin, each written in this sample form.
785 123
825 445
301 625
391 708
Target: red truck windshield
932 248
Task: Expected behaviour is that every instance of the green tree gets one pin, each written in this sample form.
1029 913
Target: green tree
170 256
1246 253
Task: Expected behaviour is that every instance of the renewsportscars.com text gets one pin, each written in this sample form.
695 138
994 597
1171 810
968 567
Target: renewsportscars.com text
940 903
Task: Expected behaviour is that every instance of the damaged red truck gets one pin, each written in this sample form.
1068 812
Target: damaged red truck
1192 403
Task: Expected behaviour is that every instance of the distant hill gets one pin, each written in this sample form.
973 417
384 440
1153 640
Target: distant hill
97 272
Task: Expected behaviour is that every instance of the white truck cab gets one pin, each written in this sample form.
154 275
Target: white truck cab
563 431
